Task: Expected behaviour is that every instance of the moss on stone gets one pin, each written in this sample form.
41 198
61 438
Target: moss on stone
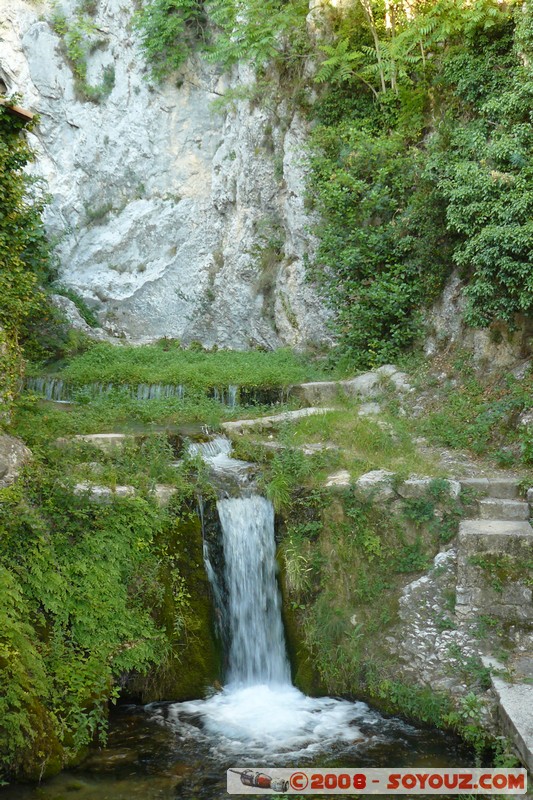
305 676
44 755
502 569
194 662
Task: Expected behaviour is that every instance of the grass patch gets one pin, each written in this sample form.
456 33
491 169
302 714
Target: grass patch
168 363
475 412
37 422
138 463
363 443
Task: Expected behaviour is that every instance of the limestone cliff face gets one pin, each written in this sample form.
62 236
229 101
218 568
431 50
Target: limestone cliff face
166 211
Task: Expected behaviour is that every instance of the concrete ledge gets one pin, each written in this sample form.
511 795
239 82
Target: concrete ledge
105 441
366 385
241 425
515 708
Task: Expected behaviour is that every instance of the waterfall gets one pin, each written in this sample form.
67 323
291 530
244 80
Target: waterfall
226 396
217 446
232 396
63 392
258 712
217 455
257 643
50 388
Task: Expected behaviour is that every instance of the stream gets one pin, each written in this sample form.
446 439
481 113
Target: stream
182 750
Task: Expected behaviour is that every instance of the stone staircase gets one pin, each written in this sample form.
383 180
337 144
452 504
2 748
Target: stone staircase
493 549
504 510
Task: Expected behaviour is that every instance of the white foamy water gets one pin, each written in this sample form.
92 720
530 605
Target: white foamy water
217 454
274 720
257 642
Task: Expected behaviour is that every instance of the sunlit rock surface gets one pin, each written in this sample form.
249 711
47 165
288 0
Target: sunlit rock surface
162 206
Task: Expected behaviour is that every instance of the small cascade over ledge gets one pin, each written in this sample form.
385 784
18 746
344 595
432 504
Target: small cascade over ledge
258 712
59 390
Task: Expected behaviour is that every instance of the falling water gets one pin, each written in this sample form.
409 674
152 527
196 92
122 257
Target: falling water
217 455
63 392
258 711
217 446
227 396
50 388
257 650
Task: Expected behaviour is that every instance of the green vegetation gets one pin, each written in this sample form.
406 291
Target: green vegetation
420 154
344 441
168 30
37 424
258 31
422 160
80 38
476 412
96 596
168 363
25 260
287 471
502 569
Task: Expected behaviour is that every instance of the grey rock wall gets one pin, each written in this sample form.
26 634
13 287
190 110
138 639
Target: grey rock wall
493 349
161 206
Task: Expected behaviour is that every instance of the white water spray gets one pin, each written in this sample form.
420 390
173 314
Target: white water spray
217 455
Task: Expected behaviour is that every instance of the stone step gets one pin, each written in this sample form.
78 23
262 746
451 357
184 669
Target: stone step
266 423
499 509
501 488
495 527
490 558
515 704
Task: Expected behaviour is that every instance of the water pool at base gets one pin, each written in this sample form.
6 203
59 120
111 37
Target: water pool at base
162 752
167 751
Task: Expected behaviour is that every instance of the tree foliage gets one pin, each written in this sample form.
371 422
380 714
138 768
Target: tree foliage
24 249
89 594
227 31
422 165
168 31
25 261
258 31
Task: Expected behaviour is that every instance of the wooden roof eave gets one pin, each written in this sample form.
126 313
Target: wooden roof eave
23 113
